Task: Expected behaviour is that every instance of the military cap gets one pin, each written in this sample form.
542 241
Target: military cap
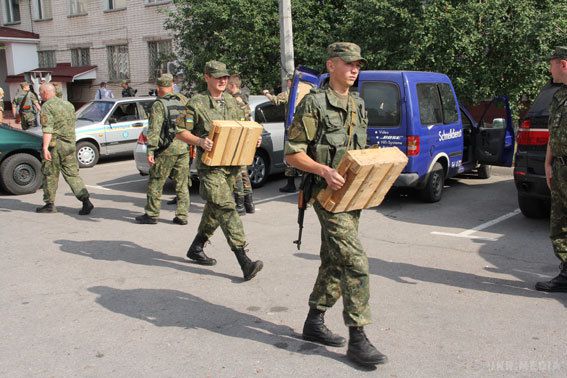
347 51
165 80
560 52
216 69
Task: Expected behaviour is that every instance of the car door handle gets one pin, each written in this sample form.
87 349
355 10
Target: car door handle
138 124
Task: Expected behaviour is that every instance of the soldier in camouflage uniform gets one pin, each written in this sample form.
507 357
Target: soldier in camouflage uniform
282 99
556 170
127 90
166 155
327 123
216 183
27 105
243 192
59 154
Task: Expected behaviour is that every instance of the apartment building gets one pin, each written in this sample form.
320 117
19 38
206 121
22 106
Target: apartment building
85 42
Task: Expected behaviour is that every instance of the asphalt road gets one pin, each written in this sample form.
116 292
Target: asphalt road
451 288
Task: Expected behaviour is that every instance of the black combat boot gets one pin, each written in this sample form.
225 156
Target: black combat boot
239 200
556 284
314 329
361 350
249 204
249 268
47 208
146 219
87 207
197 254
180 221
290 186
173 201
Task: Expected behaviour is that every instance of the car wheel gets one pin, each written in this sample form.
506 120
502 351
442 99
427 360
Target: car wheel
434 187
87 154
484 171
259 169
533 207
21 174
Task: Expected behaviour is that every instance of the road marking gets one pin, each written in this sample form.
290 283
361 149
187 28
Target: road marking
275 197
469 233
97 187
126 182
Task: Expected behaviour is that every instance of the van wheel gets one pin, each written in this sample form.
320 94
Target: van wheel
434 187
533 207
484 171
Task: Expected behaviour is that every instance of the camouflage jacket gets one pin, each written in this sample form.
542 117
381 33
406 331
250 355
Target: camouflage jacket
202 110
26 102
158 115
558 123
243 104
58 118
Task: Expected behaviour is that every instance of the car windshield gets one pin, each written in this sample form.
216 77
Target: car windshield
95 111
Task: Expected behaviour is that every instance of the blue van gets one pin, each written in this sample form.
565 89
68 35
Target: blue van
419 113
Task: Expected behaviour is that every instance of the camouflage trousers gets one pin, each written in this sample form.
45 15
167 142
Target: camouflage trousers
64 161
344 267
243 184
28 120
216 188
176 166
558 218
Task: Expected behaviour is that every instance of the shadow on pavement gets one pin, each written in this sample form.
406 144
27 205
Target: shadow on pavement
405 273
173 308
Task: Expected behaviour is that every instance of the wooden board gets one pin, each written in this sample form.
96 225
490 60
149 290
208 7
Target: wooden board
234 143
369 174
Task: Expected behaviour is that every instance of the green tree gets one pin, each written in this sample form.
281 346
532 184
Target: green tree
487 47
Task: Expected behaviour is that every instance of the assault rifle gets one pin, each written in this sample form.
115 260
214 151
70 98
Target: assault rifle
303 199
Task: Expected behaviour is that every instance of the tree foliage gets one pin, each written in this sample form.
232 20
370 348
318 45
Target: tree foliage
487 47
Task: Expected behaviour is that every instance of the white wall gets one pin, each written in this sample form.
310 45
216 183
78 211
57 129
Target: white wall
21 57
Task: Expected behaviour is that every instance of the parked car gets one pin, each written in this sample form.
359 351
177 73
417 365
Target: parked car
419 113
534 197
269 156
108 127
20 161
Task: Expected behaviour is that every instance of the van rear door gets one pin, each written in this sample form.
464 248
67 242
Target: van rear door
304 79
494 135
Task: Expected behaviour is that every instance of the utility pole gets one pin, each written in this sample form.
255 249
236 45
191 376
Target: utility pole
286 41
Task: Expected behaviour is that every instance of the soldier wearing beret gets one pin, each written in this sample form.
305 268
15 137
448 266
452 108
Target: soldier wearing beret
59 152
216 183
556 170
327 123
167 156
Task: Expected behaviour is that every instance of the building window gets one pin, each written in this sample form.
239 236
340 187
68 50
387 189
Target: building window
80 57
118 65
46 59
11 11
114 4
77 7
160 53
41 9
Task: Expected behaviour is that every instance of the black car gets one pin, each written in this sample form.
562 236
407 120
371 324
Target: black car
534 197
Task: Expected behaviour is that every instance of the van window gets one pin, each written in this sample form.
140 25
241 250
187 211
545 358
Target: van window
450 114
382 102
269 113
430 111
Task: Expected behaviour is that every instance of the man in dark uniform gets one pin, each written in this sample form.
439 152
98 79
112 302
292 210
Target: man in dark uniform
166 155
59 153
556 170
216 183
327 123
127 91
